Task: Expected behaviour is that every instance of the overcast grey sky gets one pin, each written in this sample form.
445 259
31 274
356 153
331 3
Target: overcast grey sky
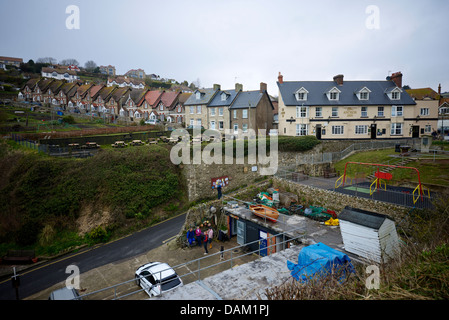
248 41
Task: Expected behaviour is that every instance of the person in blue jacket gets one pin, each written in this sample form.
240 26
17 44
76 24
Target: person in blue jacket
190 236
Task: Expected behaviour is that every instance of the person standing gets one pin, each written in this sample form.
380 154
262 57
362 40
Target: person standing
190 236
205 240
210 236
198 235
219 188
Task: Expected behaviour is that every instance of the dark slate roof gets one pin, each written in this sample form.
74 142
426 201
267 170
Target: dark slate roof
246 99
217 102
362 217
206 96
317 93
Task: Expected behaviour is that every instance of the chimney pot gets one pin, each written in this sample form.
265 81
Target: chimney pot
339 79
280 78
238 87
439 88
397 78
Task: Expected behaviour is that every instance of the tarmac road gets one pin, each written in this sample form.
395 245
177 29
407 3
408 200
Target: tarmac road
36 279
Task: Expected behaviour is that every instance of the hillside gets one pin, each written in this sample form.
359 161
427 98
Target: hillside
67 202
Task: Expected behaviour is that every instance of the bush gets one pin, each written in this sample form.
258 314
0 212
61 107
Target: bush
98 235
68 119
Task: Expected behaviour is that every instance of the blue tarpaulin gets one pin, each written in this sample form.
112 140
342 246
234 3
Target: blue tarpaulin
318 259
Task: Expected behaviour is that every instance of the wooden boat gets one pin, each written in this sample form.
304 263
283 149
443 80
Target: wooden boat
263 211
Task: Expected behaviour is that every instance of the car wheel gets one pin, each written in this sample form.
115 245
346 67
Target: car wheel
137 280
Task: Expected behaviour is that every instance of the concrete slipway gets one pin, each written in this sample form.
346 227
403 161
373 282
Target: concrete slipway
249 281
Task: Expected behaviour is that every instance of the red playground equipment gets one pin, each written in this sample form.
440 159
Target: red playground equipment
382 177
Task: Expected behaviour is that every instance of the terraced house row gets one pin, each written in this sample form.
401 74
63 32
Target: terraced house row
111 102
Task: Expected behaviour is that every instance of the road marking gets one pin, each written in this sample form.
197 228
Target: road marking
165 241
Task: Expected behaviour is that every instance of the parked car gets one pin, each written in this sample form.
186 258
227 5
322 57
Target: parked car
136 143
153 121
65 294
156 278
119 144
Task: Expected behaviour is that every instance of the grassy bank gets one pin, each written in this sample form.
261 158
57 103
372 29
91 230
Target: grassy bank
42 198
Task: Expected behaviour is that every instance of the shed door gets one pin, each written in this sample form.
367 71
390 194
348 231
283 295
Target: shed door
240 232
263 243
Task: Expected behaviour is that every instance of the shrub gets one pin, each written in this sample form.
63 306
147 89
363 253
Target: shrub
68 119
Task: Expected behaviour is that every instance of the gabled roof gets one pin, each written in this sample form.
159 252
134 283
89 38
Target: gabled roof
84 89
218 102
362 217
317 93
248 99
206 97
152 97
119 93
169 98
44 84
31 83
94 90
55 86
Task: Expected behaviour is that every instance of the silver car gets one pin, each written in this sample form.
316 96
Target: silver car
156 278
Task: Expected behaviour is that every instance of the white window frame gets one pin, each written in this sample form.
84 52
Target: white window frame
212 112
380 111
192 110
397 111
244 113
428 128
302 112
396 129
334 112
364 95
395 95
424 112
220 112
198 109
220 125
318 112
235 114
302 129
212 124
245 127
338 130
361 129
364 112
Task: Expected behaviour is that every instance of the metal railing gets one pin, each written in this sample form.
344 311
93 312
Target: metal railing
234 252
361 188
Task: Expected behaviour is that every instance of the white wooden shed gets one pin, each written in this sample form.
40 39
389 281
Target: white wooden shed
368 234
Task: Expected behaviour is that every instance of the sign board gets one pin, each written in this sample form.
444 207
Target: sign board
224 181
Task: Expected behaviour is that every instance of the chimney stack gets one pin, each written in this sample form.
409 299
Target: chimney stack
238 87
263 87
280 78
439 89
217 87
339 79
397 78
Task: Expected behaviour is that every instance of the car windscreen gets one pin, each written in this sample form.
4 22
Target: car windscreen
170 282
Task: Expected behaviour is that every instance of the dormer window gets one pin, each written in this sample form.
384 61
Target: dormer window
333 94
224 96
301 94
363 94
394 93
198 95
